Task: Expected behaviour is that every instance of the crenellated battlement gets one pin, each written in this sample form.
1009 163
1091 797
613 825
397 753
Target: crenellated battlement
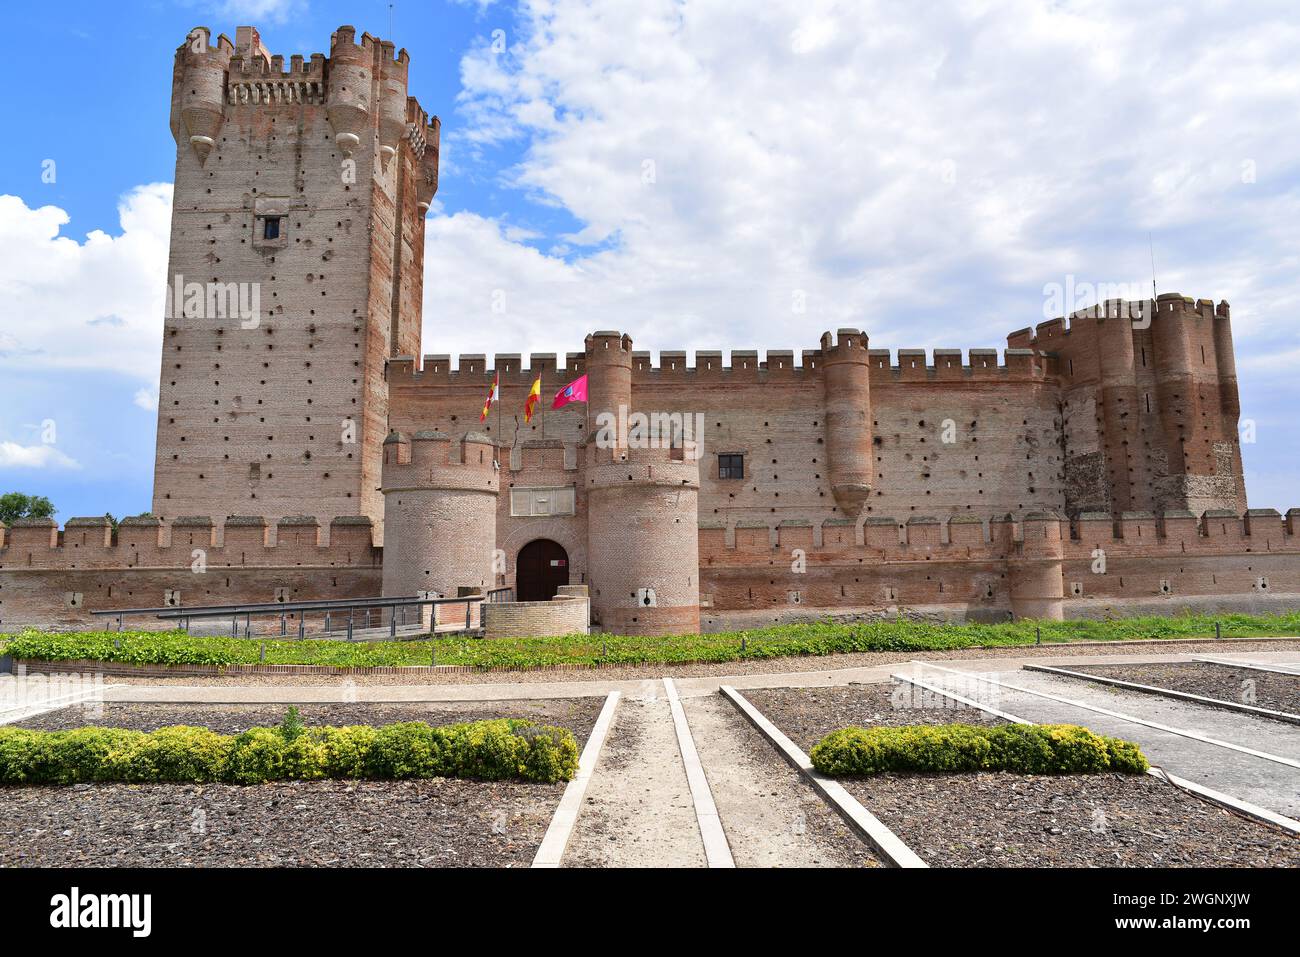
615 468
364 84
1050 335
1035 536
850 344
149 542
434 460
199 42
905 364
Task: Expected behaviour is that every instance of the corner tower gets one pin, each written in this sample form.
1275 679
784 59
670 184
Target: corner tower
1196 408
295 272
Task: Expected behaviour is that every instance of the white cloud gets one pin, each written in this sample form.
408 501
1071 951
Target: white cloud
92 304
919 171
260 11
147 398
15 456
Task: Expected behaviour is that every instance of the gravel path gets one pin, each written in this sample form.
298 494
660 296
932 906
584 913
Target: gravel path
771 814
576 714
1261 689
431 823
1011 820
638 810
745 667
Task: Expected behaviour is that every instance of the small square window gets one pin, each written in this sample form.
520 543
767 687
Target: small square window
731 466
271 227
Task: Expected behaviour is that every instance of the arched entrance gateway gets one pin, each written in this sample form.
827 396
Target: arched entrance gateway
541 568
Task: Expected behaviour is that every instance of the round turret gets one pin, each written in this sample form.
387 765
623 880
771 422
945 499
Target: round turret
1171 340
392 101
349 89
1226 367
609 383
846 375
428 183
1120 406
201 75
643 540
440 502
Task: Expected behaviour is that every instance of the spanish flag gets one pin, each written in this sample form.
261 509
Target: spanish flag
534 394
493 394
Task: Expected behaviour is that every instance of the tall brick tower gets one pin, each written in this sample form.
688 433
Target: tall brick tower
1197 406
1155 388
295 272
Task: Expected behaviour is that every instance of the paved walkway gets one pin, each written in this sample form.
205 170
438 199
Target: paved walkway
638 810
688 687
641 810
1215 749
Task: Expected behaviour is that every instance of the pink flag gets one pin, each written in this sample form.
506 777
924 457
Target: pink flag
575 391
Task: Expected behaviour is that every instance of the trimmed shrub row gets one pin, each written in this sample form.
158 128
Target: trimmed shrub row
817 638
956 748
487 750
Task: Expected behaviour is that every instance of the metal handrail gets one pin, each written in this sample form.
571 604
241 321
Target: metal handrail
285 609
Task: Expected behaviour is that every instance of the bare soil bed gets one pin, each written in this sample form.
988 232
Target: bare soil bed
807 715
1014 820
438 822
1260 689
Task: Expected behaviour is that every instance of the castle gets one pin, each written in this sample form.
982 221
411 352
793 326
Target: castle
1094 470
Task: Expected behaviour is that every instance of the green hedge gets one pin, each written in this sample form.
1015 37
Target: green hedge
817 638
955 748
487 750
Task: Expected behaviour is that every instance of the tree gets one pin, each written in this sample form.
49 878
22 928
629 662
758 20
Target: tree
16 505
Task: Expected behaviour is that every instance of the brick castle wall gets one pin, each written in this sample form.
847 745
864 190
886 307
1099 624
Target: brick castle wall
750 574
55 578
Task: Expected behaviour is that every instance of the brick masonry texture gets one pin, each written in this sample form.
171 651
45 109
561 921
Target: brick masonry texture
1093 469
560 616
265 416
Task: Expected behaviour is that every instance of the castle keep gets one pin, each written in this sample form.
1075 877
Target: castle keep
1093 468
310 185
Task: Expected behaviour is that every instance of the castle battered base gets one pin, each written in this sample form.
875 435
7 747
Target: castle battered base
713 621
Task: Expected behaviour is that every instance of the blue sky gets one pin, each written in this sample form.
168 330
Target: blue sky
685 172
